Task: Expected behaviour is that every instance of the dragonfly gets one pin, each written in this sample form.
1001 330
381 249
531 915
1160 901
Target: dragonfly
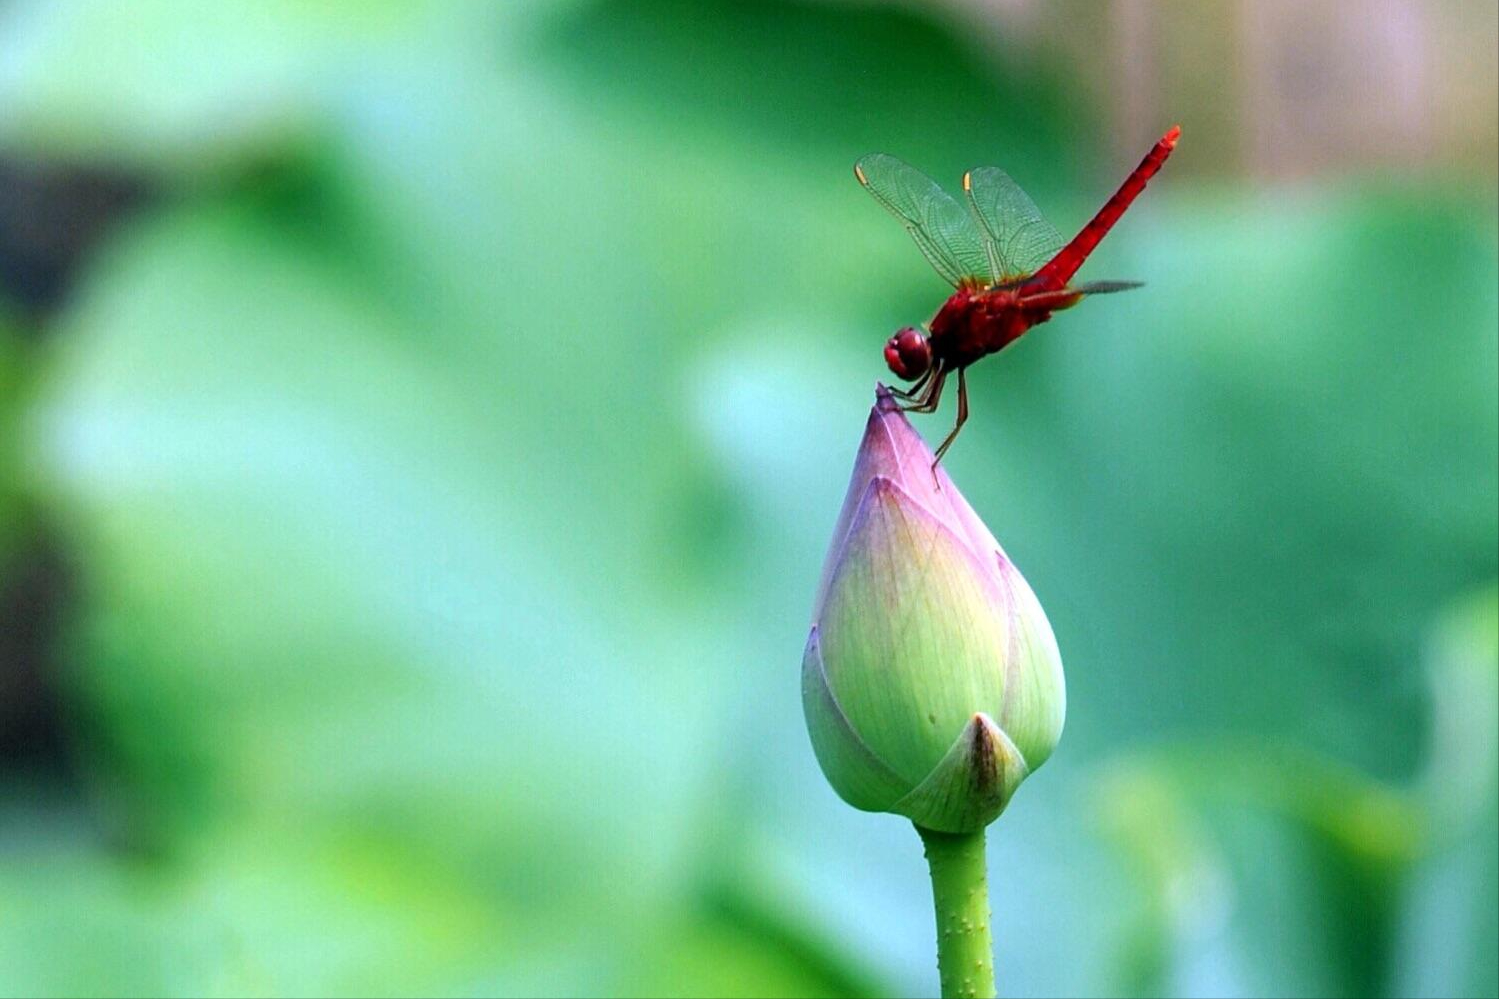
1008 266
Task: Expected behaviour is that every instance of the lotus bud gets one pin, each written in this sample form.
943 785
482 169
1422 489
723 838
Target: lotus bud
931 681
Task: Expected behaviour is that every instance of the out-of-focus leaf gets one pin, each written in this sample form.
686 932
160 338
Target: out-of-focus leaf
1452 918
242 432
1260 872
78 923
173 84
290 913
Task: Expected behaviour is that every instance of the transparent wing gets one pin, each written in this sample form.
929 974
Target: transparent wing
1019 240
936 221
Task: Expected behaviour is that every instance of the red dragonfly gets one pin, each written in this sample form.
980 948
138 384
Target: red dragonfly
1007 263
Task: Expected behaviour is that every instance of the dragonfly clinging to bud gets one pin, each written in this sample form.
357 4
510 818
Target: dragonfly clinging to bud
1008 265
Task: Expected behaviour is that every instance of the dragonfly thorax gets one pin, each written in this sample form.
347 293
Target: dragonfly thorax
908 353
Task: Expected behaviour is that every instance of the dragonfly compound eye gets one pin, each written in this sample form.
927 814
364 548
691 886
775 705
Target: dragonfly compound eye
908 354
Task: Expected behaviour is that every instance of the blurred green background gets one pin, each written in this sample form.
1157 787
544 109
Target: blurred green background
421 424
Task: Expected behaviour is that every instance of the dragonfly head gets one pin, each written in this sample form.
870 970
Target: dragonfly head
908 353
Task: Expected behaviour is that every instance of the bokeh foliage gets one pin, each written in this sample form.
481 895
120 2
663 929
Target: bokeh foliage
448 449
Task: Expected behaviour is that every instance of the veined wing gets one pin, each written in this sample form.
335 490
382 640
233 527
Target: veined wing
939 225
1016 236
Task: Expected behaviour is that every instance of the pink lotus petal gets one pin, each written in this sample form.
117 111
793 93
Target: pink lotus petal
892 449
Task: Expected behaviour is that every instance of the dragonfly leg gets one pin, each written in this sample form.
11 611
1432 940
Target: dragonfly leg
962 417
916 386
932 395
912 398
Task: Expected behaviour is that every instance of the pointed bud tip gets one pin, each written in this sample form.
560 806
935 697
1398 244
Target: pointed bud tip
884 399
983 750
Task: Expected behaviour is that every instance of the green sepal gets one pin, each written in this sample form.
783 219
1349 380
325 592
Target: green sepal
973 783
855 773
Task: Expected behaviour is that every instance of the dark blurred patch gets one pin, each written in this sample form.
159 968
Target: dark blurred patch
51 218
846 77
36 586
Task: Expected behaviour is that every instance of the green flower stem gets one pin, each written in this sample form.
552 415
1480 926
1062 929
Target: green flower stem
960 890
